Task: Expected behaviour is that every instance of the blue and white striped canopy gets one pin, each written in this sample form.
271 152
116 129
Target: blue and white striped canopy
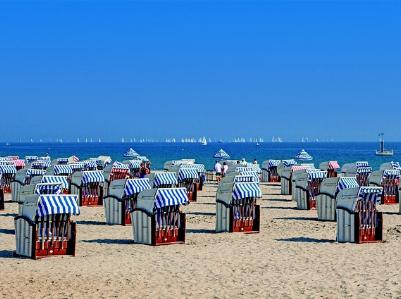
364 169
254 167
391 174
200 168
62 160
95 176
288 163
347 182
371 193
90 164
187 173
165 178
77 166
245 179
395 165
362 163
274 163
56 179
48 188
120 165
41 164
8 169
243 169
29 159
134 186
6 162
135 164
57 204
245 190
251 173
34 172
63 169
170 197
314 174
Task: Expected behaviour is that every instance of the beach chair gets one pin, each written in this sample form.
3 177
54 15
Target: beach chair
62 170
163 179
389 179
88 185
116 171
326 199
19 164
61 161
134 167
285 172
201 170
236 206
188 178
31 173
30 159
361 170
39 188
77 166
358 220
45 228
332 168
7 176
390 165
157 219
297 170
64 181
122 199
307 187
269 171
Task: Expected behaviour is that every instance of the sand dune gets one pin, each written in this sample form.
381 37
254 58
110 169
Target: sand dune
293 256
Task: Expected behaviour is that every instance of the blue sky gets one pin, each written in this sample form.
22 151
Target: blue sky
326 69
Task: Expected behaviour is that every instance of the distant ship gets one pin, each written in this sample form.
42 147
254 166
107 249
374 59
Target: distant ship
131 153
382 151
303 156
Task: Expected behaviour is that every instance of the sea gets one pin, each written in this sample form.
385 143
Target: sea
158 153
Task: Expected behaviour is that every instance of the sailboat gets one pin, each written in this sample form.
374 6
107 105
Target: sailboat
203 141
382 151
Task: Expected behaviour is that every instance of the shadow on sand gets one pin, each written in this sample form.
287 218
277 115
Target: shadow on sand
306 240
7 254
201 231
201 213
7 231
90 222
109 241
298 218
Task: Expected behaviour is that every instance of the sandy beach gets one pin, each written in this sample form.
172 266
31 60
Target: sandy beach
294 255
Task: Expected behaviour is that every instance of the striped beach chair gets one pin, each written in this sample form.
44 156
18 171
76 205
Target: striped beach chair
358 220
188 178
45 228
326 199
389 179
163 179
157 219
122 199
332 168
88 185
7 172
307 187
236 204
115 171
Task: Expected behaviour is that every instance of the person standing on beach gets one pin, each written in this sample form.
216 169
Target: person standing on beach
217 169
225 168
